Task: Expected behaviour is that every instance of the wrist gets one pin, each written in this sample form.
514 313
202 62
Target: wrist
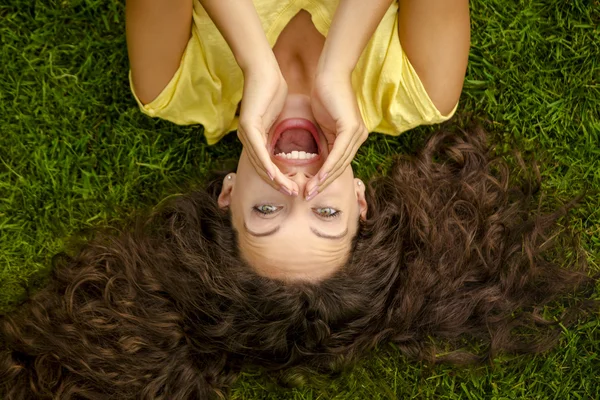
333 66
258 59
240 25
330 70
352 27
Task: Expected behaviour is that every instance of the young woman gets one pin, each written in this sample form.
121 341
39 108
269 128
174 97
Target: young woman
449 253
311 79
446 251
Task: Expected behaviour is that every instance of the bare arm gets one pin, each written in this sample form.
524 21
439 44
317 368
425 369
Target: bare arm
333 100
239 23
265 89
351 28
435 34
157 34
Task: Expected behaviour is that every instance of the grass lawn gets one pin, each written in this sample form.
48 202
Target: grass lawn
75 153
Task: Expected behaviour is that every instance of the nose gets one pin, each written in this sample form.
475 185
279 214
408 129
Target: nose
300 177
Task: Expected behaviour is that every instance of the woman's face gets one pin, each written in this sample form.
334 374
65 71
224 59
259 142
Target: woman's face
286 237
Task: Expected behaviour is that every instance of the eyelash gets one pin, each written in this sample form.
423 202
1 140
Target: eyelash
257 209
334 214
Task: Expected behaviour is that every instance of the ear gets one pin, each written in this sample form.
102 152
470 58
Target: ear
225 196
360 196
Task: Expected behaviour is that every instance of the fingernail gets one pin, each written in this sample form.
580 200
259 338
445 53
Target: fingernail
295 193
312 192
322 178
285 191
311 196
270 175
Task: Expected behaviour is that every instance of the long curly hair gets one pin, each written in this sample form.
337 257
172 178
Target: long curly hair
452 252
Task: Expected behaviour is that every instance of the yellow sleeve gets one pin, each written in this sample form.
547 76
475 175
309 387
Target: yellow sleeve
390 95
196 95
410 105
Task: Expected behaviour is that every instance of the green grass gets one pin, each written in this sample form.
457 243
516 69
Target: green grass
76 153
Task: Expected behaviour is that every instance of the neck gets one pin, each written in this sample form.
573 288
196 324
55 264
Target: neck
297 51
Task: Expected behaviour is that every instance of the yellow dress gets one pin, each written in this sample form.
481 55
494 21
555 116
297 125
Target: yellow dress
208 85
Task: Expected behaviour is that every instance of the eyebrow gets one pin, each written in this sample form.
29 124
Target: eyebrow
262 234
316 232
326 236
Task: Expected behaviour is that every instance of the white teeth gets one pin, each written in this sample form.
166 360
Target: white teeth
297 155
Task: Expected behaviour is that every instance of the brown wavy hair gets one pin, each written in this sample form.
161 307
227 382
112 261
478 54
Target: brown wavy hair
452 252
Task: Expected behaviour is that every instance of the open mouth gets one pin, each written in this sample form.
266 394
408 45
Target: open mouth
296 139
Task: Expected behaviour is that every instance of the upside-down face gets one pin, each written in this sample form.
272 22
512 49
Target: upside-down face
285 237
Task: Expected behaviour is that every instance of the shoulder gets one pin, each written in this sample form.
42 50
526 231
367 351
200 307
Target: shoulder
435 35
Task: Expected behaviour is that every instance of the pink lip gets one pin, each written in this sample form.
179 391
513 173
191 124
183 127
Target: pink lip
296 123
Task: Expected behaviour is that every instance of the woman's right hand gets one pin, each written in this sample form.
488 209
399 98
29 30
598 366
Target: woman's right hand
265 91
335 108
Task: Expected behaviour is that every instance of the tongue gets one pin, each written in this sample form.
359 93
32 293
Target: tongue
296 139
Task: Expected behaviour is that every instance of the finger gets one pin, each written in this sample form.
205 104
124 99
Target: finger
340 146
287 184
254 160
250 151
359 136
263 157
334 159
272 182
258 167
349 148
336 172
340 170
257 143
342 162
278 180
319 189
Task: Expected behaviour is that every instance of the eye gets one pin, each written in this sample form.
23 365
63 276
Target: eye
266 209
326 212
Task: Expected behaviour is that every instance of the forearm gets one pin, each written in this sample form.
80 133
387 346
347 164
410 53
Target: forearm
351 29
238 22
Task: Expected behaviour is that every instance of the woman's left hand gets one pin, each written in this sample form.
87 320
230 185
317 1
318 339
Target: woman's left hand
336 111
264 95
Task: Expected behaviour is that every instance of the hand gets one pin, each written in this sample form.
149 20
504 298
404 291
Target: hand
336 111
265 91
